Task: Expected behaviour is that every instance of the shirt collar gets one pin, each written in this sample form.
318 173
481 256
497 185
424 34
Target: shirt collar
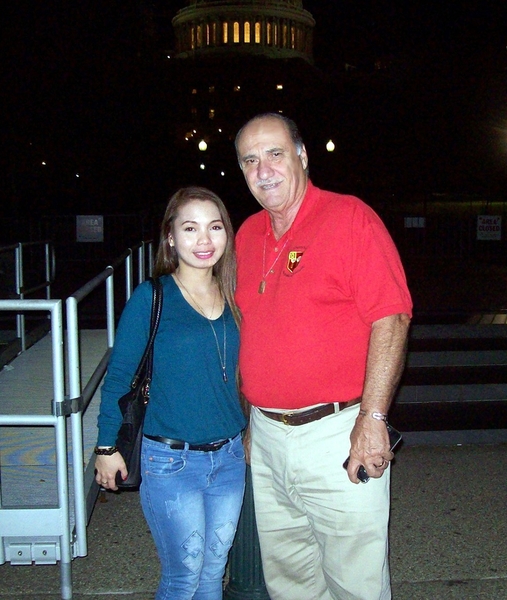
311 196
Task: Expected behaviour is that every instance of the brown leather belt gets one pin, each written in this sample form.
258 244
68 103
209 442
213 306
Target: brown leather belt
307 416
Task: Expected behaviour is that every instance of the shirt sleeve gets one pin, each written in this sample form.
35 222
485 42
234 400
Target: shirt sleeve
130 342
378 275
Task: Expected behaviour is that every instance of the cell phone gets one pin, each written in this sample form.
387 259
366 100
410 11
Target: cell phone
394 439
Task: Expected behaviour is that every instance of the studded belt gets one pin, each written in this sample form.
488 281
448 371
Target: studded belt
179 445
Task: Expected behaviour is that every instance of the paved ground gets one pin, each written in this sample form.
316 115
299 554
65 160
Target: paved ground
448 535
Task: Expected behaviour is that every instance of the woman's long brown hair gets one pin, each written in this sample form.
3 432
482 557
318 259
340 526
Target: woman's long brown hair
166 261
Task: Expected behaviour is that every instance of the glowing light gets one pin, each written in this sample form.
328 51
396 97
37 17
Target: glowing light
222 173
330 146
279 86
202 166
203 146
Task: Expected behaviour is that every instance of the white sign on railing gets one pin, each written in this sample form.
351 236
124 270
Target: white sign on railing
89 228
489 227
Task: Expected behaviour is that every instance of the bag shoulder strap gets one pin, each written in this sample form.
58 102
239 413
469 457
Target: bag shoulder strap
156 311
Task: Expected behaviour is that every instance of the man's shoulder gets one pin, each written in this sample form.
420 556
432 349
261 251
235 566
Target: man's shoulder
339 197
252 224
337 203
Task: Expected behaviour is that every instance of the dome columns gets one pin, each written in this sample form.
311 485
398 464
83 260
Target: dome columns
270 29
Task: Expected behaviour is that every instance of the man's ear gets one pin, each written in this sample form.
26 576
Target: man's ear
303 157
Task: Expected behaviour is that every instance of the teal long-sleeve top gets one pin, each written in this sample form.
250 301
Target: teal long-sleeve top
189 399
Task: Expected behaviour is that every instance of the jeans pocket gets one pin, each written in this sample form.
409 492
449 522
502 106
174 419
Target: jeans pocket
164 464
237 449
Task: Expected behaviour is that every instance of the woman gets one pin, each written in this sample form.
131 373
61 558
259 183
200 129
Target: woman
192 457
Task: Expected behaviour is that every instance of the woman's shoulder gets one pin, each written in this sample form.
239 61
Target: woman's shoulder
146 287
143 292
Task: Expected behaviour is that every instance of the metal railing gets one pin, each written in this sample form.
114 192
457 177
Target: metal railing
81 395
33 522
22 523
42 265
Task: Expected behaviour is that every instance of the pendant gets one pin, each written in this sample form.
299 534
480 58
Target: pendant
224 374
262 286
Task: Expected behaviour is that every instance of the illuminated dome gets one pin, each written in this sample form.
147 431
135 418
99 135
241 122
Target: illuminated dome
271 28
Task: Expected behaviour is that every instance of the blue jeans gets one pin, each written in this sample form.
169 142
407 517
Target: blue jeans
192 501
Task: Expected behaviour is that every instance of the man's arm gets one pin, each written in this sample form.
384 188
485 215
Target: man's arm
386 360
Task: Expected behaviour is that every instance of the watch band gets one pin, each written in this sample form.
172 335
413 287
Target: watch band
105 451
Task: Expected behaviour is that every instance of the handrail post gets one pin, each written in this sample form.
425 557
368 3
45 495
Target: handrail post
140 263
47 249
128 274
150 259
76 423
110 309
20 318
61 450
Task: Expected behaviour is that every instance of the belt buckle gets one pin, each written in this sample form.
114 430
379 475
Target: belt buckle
285 417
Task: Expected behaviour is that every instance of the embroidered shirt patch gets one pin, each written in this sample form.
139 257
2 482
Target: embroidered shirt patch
293 261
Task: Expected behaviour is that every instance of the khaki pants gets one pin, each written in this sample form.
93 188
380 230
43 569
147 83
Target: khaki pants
321 536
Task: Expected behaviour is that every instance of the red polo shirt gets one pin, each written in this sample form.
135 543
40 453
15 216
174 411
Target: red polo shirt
304 340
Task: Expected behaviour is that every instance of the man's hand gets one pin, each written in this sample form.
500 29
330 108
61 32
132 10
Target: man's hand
370 447
369 439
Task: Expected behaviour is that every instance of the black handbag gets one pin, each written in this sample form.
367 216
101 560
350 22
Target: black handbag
133 404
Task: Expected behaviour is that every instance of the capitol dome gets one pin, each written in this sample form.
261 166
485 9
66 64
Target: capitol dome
270 28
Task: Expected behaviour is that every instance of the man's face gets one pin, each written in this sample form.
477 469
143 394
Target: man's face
273 170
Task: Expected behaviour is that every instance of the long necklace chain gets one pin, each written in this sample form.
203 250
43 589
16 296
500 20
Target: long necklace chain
223 360
262 285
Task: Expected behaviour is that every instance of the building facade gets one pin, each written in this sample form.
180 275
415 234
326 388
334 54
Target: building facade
271 28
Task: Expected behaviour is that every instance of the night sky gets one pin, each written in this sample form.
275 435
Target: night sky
74 73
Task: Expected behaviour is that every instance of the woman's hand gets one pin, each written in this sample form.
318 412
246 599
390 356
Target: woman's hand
106 468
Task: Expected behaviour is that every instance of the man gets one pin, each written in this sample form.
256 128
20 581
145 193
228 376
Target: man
326 313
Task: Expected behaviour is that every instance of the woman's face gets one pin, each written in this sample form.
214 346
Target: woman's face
198 234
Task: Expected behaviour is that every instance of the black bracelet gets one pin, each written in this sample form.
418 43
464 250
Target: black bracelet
105 451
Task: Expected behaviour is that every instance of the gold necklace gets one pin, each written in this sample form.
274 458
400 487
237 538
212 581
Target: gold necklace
223 361
262 285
